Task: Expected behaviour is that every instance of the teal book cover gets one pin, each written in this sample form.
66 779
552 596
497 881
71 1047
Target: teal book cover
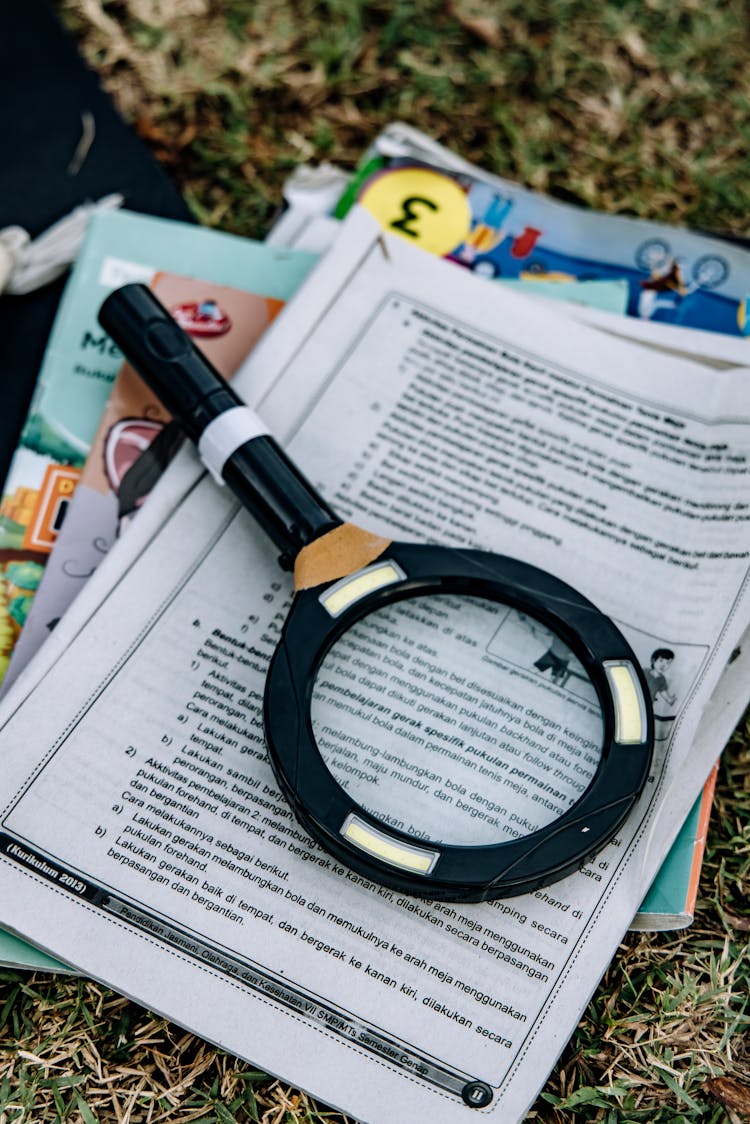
15 953
670 901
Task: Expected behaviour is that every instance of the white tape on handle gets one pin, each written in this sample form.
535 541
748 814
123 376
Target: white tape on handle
225 434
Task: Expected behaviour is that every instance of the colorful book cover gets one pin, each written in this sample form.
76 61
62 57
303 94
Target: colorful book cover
79 367
132 446
432 198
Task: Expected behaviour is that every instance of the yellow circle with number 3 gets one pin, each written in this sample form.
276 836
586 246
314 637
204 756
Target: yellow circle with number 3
425 208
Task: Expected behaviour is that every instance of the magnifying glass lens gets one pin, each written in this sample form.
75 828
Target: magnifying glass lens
457 719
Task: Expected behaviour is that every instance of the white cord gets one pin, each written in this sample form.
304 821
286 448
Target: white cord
26 265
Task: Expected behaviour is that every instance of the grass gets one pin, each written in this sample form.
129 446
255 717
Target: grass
632 107
635 107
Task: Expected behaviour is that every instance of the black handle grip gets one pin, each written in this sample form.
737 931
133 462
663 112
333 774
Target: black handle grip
190 387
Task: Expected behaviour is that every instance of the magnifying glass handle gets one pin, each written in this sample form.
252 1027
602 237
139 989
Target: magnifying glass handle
231 438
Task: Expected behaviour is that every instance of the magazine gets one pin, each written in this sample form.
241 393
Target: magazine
130 448
428 195
78 370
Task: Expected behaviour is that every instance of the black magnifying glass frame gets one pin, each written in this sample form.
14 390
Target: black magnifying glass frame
460 873
296 518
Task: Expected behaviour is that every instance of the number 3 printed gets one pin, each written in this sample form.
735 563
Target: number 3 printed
410 215
424 207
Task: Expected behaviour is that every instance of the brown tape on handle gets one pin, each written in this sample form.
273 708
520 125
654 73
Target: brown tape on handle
337 553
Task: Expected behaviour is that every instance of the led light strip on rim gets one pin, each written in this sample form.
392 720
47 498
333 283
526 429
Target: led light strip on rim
630 705
336 598
387 848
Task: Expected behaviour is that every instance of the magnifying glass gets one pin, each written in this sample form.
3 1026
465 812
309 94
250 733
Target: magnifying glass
450 723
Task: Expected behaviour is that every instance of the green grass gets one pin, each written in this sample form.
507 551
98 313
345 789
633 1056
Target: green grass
633 107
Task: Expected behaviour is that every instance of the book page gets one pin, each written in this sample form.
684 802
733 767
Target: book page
144 838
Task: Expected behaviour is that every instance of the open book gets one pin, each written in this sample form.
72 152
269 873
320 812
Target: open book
144 839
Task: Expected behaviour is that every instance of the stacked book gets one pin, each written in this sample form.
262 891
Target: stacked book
447 354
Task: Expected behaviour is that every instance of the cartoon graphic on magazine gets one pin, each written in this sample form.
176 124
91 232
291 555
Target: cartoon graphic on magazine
136 452
683 279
